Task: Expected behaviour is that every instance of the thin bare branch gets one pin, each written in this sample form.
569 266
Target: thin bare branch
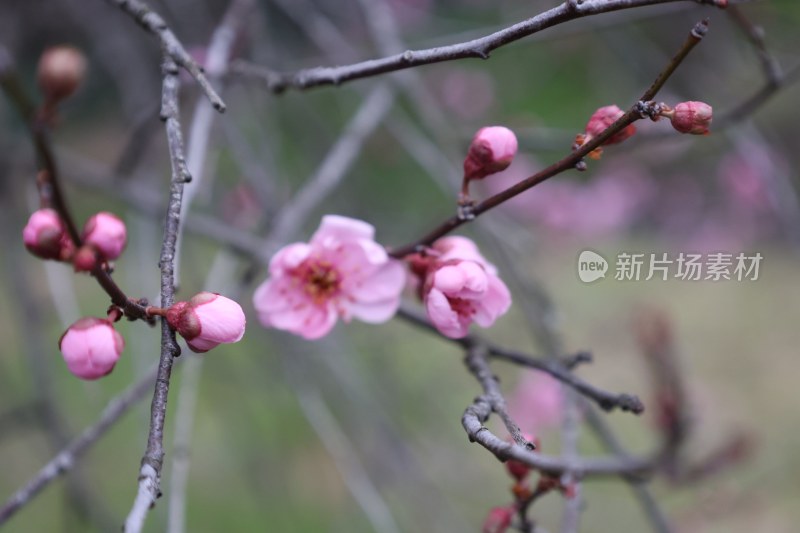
477 48
170 45
153 459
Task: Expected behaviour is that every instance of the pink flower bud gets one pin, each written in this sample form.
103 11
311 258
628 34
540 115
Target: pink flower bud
45 234
91 347
207 320
61 71
106 233
692 117
492 150
602 119
498 520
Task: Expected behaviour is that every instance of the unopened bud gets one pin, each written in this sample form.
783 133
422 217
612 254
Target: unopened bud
691 117
107 234
207 320
44 234
602 119
61 71
91 347
492 150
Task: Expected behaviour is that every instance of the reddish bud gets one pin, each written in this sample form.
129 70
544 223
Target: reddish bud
85 259
691 117
91 347
44 234
107 234
492 150
602 119
498 520
207 320
61 71
517 469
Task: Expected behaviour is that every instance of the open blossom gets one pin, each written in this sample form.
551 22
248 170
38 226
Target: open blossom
91 347
461 287
207 320
106 234
341 272
45 235
492 150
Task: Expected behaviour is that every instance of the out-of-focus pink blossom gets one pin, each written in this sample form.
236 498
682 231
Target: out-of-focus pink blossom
462 288
241 207
467 93
341 272
207 320
91 347
498 520
606 204
45 235
692 117
491 150
537 403
106 233
602 119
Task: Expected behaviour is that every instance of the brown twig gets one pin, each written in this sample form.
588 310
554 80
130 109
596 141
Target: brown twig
153 459
477 48
606 400
170 45
49 183
636 112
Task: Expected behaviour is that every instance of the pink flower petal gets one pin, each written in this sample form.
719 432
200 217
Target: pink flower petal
342 229
443 317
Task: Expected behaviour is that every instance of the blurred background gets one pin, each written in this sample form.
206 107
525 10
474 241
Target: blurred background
361 431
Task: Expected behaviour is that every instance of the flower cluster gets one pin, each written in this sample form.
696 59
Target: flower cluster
103 239
343 273
91 346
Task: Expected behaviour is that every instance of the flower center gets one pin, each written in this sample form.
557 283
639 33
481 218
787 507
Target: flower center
320 280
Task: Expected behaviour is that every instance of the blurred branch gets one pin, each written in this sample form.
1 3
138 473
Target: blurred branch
66 459
170 45
341 450
331 171
775 77
476 48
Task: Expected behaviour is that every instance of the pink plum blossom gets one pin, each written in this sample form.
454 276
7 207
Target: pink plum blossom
341 272
537 403
461 287
491 150
207 320
45 235
91 347
106 234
